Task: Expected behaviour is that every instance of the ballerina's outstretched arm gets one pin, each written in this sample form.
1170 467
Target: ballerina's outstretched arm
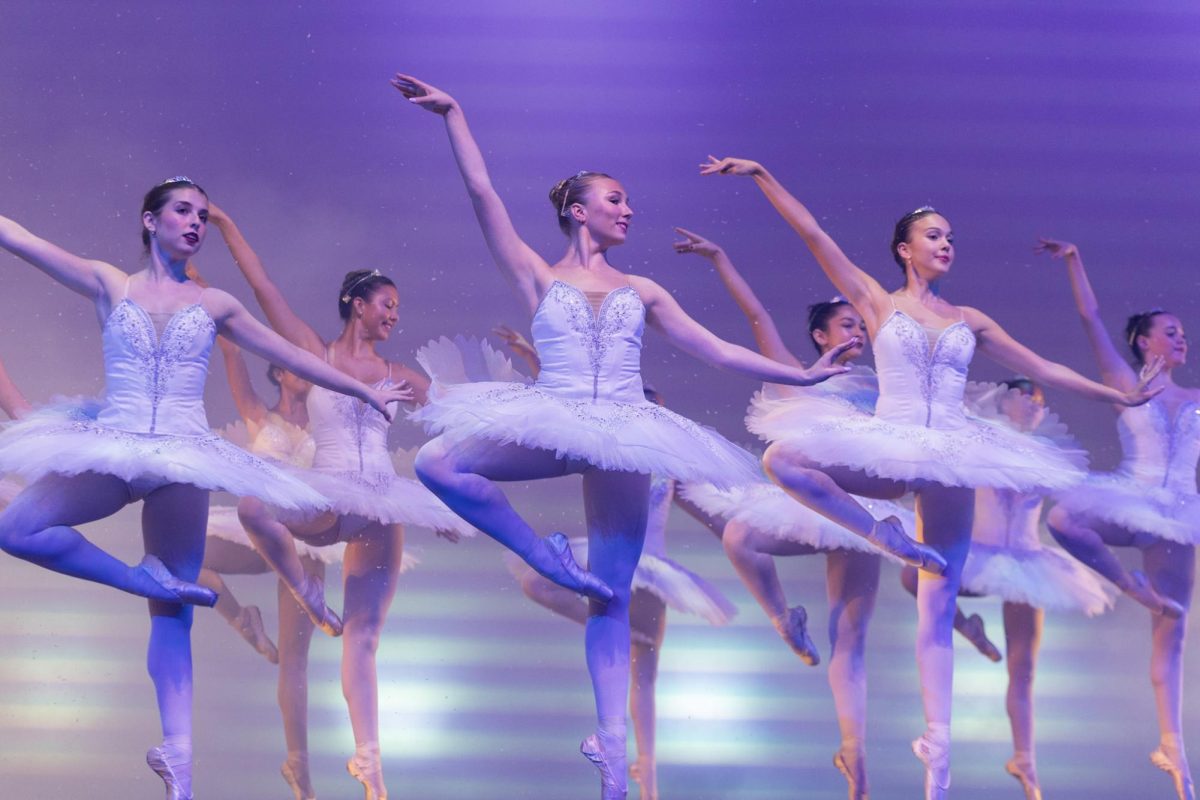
762 324
522 267
1114 370
864 292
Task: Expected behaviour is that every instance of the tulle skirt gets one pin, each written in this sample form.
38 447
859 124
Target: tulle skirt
979 452
608 434
66 439
766 508
674 584
1044 577
223 524
386 498
1119 499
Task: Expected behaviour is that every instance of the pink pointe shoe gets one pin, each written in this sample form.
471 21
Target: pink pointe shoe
1141 591
793 628
936 758
367 769
1165 758
645 775
1023 771
852 763
612 767
974 633
168 764
174 590
311 597
568 574
888 535
298 780
249 624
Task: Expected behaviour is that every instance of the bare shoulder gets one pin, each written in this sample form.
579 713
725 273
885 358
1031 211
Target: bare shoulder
219 303
976 320
406 373
647 289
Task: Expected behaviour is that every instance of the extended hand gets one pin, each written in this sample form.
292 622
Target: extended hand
826 366
379 399
515 341
730 166
695 243
1054 248
422 94
1142 393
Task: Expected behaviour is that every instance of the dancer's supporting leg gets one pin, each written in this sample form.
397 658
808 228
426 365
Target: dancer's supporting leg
752 554
1090 542
852 583
1171 569
944 517
295 636
462 476
371 571
223 557
36 527
648 621
174 519
972 627
1023 636
616 505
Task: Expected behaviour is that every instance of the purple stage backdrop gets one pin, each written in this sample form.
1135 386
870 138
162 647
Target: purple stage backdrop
1076 119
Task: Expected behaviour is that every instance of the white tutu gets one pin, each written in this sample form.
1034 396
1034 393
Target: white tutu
674 584
387 498
634 436
1119 499
1044 578
766 508
66 439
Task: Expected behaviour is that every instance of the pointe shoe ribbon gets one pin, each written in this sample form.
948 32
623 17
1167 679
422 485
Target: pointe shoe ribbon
610 787
793 627
888 534
854 772
176 590
293 781
936 758
249 624
312 599
159 760
369 772
570 575
1184 788
1024 776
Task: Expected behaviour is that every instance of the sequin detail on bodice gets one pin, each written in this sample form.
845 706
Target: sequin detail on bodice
281 440
154 383
1160 451
1007 518
350 436
588 355
920 384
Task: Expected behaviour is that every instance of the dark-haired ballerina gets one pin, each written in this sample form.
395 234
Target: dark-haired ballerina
1009 561
1149 503
586 413
149 440
919 438
764 522
370 502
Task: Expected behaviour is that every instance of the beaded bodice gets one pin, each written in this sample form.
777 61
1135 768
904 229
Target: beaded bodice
281 440
154 380
349 435
919 383
586 354
1006 518
1158 450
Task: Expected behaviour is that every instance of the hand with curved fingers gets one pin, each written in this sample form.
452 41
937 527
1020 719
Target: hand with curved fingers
695 243
422 94
1054 248
730 166
515 341
379 399
826 366
1142 393
454 537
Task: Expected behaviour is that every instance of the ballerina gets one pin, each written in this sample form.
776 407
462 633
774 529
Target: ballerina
370 502
658 582
1008 560
919 438
763 522
1150 503
149 440
12 402
586 413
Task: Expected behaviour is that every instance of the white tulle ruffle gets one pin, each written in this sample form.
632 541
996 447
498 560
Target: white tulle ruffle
66 439
609 434
1119 499
766 508
387 498
674 584
1044 578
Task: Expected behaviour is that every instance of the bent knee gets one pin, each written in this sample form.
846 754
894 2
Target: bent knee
432 464
251 510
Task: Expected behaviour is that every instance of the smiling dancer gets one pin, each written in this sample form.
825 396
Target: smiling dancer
149 440
1150 503
371 504
919 438
586 413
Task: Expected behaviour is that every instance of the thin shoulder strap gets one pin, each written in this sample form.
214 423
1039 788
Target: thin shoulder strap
892 297
389 375
125 295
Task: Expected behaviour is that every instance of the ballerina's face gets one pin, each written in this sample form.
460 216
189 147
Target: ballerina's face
291 383
378 313
1025 409
844 325
930 246
605 212
1166 339
180 226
